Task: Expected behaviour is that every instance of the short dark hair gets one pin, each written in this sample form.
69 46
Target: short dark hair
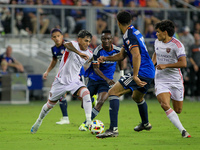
166 25
124 17
106 31
84 33
55 30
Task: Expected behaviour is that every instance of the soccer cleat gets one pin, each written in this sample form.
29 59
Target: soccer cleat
63 121
185 134
83 127
94 101
36 126
108 133
141 127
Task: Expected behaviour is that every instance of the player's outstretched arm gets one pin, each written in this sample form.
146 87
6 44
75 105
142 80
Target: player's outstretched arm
51 66
100 73
120 56
70 47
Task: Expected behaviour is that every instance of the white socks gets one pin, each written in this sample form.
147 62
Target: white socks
173 117
87 104
45 109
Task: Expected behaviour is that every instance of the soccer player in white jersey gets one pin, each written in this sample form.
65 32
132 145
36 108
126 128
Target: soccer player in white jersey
67 78
170 57
57 52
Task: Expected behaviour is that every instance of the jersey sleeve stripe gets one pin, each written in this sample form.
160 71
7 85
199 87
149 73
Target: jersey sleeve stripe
116 48
181 55
178 44
97 50
132 47
95 63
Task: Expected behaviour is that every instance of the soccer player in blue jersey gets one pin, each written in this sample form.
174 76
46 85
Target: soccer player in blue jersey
57 52
136 82
101 75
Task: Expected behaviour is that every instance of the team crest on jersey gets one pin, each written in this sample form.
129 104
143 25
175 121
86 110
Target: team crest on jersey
168 50
127 42
62 51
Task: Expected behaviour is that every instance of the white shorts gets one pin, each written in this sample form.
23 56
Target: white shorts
58 89
176 90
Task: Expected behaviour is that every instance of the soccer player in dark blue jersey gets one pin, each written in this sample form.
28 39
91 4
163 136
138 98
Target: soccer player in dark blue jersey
57 51
136 82
101 75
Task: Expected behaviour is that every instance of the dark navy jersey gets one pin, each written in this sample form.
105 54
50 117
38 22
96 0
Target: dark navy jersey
8 59
57 52
107 67
133 38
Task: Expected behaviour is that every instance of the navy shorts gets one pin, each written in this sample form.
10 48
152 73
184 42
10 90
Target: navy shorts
97 86
128 83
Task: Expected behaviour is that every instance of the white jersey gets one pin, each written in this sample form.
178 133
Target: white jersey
71 64
168 53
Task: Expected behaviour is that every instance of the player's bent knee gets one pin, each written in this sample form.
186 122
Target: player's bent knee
51 104
136 99
84 92
111 92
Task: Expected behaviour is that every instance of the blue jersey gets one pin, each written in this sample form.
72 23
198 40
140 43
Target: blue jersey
107 67
133 38
82 72
57 52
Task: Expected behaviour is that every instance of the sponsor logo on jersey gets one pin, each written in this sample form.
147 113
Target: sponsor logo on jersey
168 50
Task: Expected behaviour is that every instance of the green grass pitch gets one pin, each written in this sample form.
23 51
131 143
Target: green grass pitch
16 122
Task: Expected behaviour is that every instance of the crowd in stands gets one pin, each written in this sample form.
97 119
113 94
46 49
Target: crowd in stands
125 3
9 64
26 18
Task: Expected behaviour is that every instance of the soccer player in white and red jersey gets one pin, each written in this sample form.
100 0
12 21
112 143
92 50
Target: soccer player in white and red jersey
67 78
170 57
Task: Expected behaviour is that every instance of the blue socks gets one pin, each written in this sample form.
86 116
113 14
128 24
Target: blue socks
63 107
113 111
143 110
94 113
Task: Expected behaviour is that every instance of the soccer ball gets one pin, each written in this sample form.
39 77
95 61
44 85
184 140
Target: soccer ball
96 127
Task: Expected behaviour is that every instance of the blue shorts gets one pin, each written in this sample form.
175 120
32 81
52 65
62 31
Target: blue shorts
97 86
128 83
